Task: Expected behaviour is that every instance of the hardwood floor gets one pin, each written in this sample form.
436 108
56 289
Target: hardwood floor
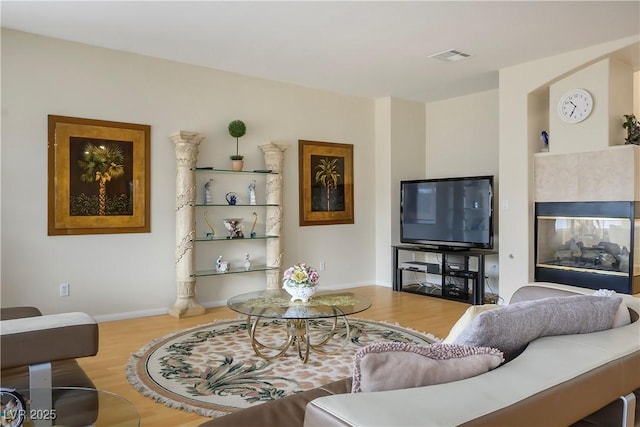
119 339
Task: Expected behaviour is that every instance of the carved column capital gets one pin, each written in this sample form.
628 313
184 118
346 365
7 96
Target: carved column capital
186 147
274 155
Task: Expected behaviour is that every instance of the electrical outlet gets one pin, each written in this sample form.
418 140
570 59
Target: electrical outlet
64 289
323 266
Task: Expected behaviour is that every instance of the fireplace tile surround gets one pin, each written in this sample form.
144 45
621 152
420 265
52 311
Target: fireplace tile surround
612 174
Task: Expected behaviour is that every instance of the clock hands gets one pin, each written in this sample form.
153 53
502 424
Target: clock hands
574 108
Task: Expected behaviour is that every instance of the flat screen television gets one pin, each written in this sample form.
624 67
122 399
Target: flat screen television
448 213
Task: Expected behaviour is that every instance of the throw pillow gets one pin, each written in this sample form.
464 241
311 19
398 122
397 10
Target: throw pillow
623 317
466 319
392 366
511 327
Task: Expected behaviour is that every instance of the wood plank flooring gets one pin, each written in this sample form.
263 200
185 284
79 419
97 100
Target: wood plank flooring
119 339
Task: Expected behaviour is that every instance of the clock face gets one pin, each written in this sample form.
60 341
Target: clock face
575 106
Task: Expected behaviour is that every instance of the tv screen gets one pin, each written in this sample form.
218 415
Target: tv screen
447 212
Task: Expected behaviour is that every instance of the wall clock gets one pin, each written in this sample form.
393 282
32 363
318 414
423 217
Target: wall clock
575 105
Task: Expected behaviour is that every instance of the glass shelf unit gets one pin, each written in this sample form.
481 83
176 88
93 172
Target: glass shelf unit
237 270
225 238
190 238
265 207
237 205
252 172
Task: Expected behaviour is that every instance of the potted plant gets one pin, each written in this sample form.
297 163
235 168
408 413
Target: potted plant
237 128
633 129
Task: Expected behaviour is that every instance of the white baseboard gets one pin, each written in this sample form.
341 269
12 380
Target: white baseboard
131 314
207 304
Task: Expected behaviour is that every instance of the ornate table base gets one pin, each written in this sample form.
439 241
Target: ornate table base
299 336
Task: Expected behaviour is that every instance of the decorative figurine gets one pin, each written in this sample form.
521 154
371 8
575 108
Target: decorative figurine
247 262
231 198
544 137
235 228
212 232
222 266
253 226
207 191
252 192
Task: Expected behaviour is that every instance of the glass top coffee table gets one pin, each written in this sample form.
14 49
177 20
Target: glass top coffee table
66 406
309 326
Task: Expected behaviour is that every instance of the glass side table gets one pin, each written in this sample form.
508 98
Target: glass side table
66 406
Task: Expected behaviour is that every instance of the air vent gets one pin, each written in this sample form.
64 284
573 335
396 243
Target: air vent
450 55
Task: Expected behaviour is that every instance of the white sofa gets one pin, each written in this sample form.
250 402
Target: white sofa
556 381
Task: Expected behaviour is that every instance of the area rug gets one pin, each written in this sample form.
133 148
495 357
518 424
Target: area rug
212 369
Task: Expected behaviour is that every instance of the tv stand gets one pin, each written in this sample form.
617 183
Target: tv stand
451 249
460 273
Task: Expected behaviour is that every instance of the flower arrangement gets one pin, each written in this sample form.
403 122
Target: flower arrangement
301 275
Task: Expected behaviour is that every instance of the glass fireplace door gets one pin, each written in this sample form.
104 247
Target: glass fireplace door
588 244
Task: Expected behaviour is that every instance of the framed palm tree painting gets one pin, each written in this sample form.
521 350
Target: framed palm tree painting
98 177
326 182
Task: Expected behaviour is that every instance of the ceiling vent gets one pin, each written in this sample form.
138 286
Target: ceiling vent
450 55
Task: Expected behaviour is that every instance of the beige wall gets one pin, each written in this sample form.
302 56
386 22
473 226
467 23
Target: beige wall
400 154
135 273
462 136
636 93
620 99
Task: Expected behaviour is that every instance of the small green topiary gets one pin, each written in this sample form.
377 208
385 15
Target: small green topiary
237 128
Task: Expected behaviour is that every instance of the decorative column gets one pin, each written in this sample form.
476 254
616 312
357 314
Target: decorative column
186 144
274 159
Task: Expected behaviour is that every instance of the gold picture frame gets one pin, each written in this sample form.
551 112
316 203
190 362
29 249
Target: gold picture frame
98 177
325 183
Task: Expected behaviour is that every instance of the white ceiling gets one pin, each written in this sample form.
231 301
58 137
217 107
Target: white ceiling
365 48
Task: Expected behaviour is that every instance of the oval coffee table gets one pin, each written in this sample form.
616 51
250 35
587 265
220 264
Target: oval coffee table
301 320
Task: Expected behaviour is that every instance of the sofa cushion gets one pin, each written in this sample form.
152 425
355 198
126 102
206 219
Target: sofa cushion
394 365
465 320
511 327
623 316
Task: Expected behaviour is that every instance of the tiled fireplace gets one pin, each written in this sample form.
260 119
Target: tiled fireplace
587 218
589 244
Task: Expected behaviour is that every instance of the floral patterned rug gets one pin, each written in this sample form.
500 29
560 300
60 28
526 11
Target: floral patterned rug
213 370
